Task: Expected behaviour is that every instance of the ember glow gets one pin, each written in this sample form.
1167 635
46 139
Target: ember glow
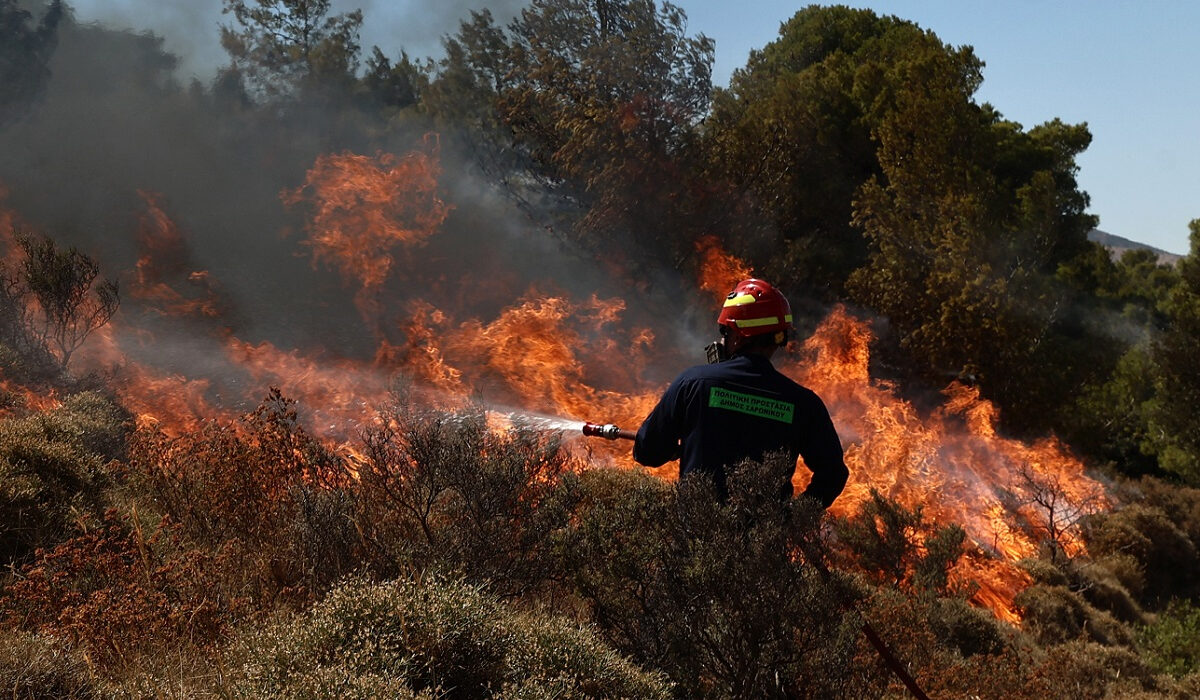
551 357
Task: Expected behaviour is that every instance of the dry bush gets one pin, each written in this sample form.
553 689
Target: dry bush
1180 503
37 666
1101 582
717 595
118 594
444 491
1167 556
432 638
1056 615
263 494
952 649
1082 670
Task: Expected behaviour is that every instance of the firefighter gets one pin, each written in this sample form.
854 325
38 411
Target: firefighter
740 407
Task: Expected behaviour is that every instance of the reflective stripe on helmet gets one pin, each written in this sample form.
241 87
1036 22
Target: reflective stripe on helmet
764 321
741 300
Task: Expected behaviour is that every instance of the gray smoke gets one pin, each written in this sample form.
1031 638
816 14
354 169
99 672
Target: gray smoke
118 119
189 28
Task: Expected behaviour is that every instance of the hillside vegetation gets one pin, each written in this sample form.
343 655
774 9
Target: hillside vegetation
848 161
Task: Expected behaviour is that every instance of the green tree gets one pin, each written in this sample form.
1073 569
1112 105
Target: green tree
285 48
600 100
793 134
967 224
394 85
54 301
868 169
1174 421
25 51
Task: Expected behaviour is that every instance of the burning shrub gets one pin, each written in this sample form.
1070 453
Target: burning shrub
263 491
433 638
444 490
895 545
717 595
52 471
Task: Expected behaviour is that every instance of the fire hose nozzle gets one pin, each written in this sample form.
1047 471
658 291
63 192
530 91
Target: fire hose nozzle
608 431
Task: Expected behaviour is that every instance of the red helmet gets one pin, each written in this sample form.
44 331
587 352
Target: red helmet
756 308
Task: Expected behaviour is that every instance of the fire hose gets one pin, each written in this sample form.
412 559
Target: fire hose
608 431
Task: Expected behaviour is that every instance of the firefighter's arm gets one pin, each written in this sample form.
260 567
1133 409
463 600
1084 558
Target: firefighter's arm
822 453
657 440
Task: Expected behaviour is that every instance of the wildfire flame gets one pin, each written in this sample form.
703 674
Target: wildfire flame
545 351
719 271
164 259
364 209
1008 495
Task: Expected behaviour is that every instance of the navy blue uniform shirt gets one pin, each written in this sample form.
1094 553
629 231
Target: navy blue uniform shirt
714 416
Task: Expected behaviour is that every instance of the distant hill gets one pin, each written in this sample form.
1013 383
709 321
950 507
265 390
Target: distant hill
1119 245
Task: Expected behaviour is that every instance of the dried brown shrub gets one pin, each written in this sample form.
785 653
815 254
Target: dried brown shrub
262 492
117 593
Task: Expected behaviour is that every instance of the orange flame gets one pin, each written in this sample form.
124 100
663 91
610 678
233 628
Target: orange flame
583 359
164 258
364 209
719 271
953 463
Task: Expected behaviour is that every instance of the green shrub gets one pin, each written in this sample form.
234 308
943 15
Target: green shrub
91 423
1172 643
1166 554
36 666
52 472
437 637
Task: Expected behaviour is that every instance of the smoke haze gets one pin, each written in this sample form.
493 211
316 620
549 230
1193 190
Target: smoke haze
190 28
116 147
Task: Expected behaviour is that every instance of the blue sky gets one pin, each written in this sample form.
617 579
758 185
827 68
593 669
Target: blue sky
1129 69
